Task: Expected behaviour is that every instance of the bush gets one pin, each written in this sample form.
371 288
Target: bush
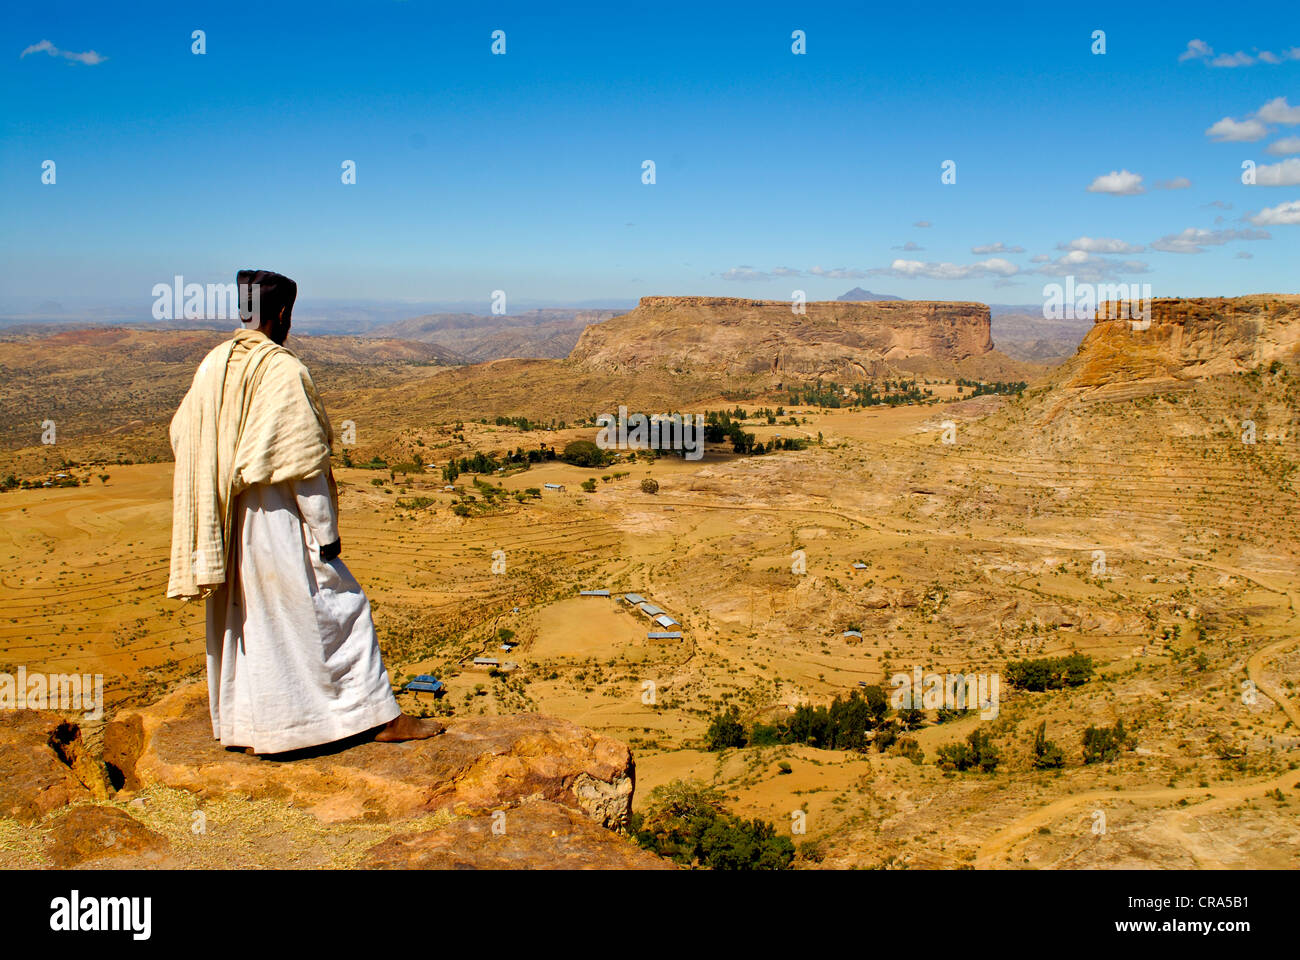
977 751
687 822
585 453
726 731
1047 755
589 485
649 485
907 747
1050 673
1103 744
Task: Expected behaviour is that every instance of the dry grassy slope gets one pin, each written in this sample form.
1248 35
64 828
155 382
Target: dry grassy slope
111 392
764 342
1147 426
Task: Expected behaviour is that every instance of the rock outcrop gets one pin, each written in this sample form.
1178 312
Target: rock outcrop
524 791
44 765
766 339
481 763
1186 340
511 840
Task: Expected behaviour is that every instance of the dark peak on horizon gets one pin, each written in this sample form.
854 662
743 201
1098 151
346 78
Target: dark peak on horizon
857 294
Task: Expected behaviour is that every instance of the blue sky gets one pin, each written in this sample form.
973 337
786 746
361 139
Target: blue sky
774 171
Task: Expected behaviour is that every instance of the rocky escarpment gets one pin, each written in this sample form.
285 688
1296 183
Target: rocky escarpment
1185 340
767 340
524 791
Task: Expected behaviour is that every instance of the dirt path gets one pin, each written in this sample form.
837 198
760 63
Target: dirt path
1214 798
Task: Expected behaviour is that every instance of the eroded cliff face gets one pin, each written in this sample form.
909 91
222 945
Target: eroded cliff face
765 339
1187 339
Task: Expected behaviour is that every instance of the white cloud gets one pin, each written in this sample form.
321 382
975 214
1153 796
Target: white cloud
746 274
838 273
1196 239
1278 110
1118 182
1099 245
908 247
998 247
1245 255
1196 50
1229 130
1284 146
1087 268
993 267
1200 50
90 58
1039 258
1284 214
1177 183
1237 59
922 223
1284 174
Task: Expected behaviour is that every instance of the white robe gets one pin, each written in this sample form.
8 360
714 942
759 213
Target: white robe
293 660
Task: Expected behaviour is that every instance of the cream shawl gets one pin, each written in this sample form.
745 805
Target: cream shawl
251 416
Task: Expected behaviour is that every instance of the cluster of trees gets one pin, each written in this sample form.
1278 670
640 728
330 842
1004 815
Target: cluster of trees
977 752
1050 673
854 722
585 453
833 395
482 462
894 394
523 423
992 389
687 822
726 425
1103 744
11 482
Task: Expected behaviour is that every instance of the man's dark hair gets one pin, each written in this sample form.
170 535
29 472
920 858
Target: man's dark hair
263 293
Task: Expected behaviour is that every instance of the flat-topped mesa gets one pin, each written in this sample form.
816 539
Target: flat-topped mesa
1186 338
837 340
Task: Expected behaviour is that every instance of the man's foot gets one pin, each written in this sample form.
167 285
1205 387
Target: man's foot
404 727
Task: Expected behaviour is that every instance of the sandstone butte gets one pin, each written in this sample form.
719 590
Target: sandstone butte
1187 340
556 792
767 341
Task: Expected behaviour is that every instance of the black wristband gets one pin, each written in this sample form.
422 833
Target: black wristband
331 550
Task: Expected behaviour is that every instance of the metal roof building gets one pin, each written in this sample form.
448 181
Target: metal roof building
663 635
666 621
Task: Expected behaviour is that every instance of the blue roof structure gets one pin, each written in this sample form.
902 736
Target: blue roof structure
425 684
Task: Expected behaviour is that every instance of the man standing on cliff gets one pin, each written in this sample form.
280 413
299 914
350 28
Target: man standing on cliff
293 661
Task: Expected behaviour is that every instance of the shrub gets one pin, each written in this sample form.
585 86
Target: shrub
726 731
585 453
1103 744
977 751
1047 755
1050 673
649 485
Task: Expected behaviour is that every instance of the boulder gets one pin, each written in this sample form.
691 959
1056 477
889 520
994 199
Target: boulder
479 764
44 764
539 835
105 837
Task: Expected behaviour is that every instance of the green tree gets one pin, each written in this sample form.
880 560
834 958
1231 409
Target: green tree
726 731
